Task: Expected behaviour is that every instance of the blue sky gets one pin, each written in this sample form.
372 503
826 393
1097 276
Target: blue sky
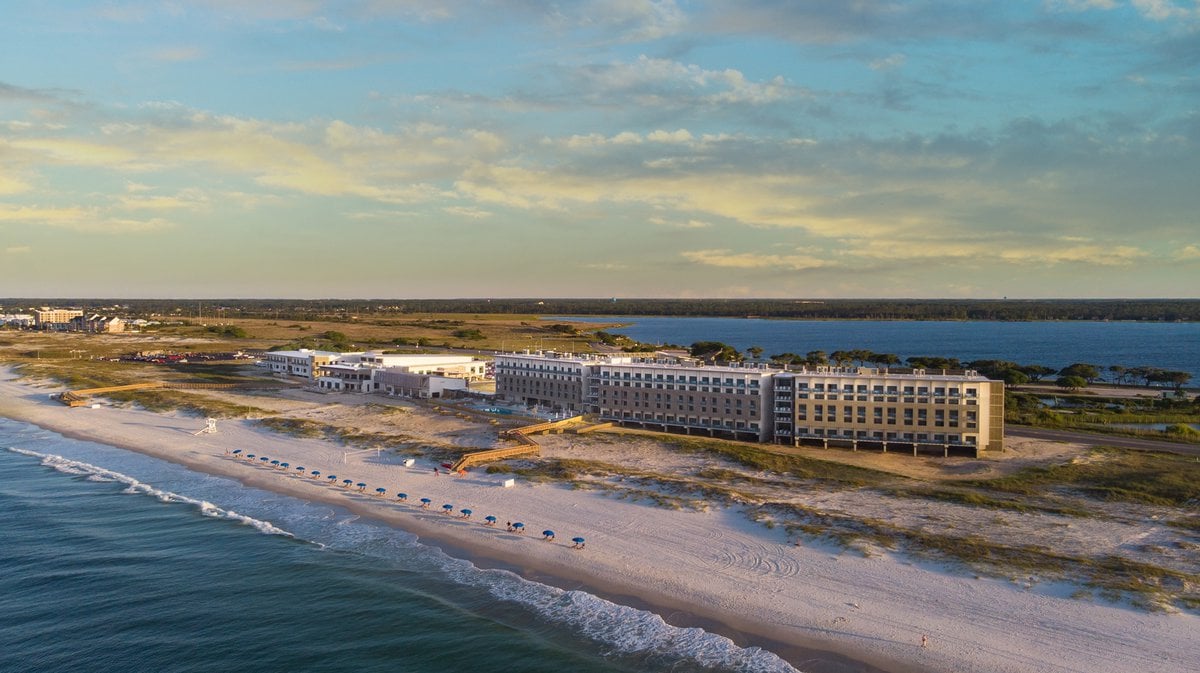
403 148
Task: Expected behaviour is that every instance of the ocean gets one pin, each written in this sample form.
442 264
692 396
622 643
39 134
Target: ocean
1170 346
115 561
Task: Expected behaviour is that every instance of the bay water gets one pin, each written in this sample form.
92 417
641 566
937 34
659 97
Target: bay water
1170 346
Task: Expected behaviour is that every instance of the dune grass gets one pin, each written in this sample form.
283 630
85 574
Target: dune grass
1111 475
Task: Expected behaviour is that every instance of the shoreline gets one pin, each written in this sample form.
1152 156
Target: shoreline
719 572
678 613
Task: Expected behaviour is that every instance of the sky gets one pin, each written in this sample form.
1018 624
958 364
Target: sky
600 148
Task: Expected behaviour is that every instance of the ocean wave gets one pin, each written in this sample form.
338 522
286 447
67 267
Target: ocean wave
623 630
619 631
135 487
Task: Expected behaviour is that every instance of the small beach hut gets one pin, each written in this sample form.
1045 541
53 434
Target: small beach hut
447 508
402 496
381 491
425 503
489 520
547 535
466 513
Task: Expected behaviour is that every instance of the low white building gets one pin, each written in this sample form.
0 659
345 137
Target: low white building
17 319
304 362
422 386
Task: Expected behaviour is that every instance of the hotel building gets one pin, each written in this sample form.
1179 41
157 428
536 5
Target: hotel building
860 407
906 410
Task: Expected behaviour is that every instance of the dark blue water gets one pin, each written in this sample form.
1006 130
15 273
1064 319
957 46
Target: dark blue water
114 561
1171 346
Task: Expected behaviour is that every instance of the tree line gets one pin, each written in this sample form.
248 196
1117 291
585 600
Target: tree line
1156 310
1072 377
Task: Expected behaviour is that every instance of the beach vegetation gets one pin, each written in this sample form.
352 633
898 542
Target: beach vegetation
1116 475
765 458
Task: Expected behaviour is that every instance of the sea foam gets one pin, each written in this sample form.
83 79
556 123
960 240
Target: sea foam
619 631
133 486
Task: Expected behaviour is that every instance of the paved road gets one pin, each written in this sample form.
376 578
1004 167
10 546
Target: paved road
1096 439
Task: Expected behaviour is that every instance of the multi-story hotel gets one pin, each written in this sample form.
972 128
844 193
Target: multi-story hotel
47 318
907 410
879 409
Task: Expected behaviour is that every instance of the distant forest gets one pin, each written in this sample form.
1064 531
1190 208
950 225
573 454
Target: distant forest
1154 310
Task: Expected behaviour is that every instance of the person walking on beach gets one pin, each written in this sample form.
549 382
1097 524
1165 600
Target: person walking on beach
924 641
435 472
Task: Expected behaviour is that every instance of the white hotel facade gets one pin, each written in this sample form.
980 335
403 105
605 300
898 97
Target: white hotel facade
909 410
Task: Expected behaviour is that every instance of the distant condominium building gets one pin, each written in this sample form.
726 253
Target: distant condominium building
47 318
907 410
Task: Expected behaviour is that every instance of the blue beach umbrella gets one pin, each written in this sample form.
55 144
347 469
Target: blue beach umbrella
300 469
448 508
490 519
347 482
466 513
361 486
402 496
284 466
381 491
425 503
250 455
578 541
519 526
265 458
273 462
548 534
236 451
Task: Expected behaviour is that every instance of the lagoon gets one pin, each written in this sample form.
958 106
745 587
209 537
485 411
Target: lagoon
1171 346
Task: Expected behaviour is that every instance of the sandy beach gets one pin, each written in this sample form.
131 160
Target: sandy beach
712 566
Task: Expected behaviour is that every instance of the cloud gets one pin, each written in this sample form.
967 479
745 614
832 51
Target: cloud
1165 10
472 213
657 82
1188 253
890 62
727 259
1081 5
77 218
177 54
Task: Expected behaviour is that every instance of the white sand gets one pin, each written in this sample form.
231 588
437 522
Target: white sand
714 564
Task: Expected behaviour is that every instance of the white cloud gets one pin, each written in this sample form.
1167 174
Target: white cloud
890 62
463 211
725 258
1188 253
1163 10
657 82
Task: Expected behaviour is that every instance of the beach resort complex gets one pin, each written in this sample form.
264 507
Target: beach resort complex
851 407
